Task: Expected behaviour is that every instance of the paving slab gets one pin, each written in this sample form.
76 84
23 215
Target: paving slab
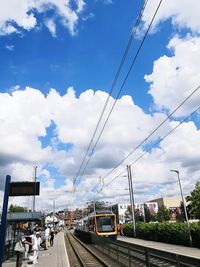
55 256
181 250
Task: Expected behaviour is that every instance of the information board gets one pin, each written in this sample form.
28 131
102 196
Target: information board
24 189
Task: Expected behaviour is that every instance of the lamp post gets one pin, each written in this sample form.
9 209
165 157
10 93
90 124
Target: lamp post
184 205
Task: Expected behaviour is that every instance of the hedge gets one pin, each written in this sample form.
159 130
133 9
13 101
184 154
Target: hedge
173 233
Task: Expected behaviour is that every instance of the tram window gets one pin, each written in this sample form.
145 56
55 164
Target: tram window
105 224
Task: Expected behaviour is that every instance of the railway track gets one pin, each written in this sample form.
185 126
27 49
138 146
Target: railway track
80 255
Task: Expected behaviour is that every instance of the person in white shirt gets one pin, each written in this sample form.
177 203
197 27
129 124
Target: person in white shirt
47 233
34 248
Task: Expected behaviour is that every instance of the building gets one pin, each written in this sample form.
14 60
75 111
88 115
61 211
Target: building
170 203
121 210
152 206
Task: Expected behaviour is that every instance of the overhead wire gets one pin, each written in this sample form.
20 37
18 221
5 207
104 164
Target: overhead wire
113 84
154 145
146 138
121 88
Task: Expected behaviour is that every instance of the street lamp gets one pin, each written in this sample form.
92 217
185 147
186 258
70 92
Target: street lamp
184 205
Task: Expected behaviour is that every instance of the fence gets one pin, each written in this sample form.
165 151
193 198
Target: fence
130 255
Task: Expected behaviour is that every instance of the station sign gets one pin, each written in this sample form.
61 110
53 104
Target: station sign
24 189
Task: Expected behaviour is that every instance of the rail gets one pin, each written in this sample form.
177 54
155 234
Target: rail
130 255
81 255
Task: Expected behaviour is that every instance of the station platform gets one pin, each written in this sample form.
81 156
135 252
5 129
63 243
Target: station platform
55 256
176 249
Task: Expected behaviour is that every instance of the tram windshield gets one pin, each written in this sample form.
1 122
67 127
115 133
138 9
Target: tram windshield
105 224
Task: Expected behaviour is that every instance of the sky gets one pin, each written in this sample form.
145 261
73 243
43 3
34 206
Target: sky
58 61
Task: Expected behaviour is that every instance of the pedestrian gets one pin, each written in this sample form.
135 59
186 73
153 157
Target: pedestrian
38 236
51 237
43 243
27 245
34 248
121 229
47 232
20 249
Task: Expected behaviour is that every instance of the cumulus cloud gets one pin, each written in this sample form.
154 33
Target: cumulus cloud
181 12
174 77
26 114
51 27
151 174
16 16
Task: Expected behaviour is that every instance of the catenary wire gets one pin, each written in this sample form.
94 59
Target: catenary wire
121 88
114 83
145 139
154 145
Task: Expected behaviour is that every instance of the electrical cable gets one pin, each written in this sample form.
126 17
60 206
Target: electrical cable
157 143
114 83
122 86
145 139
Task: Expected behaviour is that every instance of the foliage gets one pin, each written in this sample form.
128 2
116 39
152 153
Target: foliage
168 232
78 214
181 216
148 216
163 214
194 200
140 217
96 205
128 214
15 208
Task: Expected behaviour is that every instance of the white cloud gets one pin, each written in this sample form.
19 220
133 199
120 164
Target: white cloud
26 114
10 47
175 77
51 26
16 16
17 12
183 13
108 2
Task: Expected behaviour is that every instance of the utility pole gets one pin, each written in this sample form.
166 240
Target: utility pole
34 179
131 198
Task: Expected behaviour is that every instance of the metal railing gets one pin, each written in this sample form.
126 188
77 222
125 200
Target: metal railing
130 255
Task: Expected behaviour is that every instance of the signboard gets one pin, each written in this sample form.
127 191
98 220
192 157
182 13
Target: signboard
24 189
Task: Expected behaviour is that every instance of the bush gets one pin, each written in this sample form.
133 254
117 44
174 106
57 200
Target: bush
173 233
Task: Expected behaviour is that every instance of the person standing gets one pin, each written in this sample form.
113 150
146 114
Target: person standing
47 232
20 249
27 244
121 229
51 237
35 248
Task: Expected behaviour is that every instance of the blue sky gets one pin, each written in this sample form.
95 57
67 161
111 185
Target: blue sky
58 61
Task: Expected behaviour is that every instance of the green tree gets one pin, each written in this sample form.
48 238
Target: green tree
163 214
128 213
15 208
138 216
96 205
194 200
181 216
147 214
